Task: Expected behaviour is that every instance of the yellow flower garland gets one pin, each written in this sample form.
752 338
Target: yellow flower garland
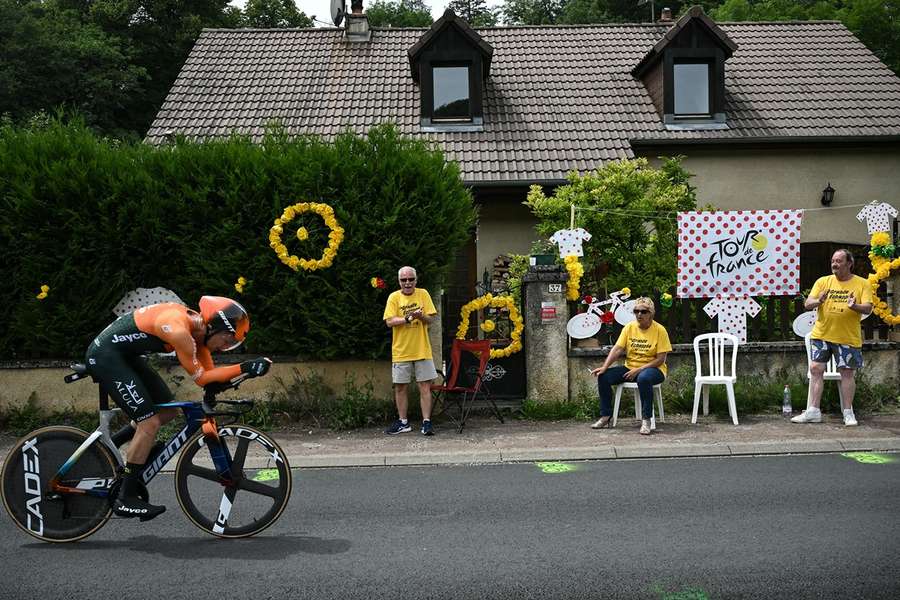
485 301
883 268
334 238
880 238
576 270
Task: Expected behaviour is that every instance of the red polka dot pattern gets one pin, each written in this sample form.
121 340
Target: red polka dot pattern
739 253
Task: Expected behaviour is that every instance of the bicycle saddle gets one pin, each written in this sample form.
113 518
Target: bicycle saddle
81 371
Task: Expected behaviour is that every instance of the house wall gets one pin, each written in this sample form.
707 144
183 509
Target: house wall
733 179
504 226
739 178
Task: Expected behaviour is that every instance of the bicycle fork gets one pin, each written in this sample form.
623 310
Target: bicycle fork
221 458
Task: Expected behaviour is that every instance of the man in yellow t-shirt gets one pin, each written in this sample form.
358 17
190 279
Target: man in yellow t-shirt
408 313
645 345
840 300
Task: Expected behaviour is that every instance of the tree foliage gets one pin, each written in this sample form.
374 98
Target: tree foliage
274 14
112 60
52 58
629 209
532 12
94 219
400 13
475 12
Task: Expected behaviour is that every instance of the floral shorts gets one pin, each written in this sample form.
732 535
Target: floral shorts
845 357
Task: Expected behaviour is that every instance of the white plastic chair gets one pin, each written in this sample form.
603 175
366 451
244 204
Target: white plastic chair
831 370
714 370
630 385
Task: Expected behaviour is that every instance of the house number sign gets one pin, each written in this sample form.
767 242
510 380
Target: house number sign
555 288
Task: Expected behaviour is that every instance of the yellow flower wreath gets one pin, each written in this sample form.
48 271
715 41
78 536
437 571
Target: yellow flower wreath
335 237
485 301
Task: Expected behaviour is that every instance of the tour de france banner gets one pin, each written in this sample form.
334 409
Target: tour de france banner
739 253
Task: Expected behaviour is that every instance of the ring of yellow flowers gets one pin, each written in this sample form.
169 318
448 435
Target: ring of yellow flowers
883 268
486 301
335 237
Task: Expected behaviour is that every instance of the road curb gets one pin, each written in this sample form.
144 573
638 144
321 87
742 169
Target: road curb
519 455
298 458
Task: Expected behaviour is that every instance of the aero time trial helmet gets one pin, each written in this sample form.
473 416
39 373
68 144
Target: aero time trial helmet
224 314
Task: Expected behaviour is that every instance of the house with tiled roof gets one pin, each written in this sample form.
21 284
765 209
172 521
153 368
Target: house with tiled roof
767 115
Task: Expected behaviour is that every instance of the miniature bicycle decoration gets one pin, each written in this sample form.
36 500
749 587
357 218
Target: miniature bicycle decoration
587 324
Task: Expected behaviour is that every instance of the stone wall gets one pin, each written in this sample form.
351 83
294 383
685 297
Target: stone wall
557 372
755 360
43 380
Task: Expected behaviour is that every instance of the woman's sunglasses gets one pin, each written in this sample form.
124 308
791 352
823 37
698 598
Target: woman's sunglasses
641 311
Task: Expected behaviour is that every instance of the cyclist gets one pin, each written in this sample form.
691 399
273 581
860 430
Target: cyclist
116 358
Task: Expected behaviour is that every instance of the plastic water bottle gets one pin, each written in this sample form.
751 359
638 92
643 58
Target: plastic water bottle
786 408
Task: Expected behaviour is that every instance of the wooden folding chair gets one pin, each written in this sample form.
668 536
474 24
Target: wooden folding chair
464 383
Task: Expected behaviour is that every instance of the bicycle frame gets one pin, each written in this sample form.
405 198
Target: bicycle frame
616 299
195 419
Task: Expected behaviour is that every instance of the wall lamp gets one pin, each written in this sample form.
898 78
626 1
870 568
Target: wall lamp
827 195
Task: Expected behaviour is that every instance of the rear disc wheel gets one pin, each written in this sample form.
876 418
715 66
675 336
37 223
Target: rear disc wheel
27 497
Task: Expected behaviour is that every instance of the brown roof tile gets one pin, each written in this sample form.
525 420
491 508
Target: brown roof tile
558 98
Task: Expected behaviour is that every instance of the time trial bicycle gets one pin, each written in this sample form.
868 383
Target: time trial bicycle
59 483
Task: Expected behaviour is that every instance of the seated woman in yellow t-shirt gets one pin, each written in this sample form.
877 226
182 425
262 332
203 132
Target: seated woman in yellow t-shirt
645 344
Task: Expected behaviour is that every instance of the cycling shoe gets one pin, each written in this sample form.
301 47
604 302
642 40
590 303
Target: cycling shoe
135 507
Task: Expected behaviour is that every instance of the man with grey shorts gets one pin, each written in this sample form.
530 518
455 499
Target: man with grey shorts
408 313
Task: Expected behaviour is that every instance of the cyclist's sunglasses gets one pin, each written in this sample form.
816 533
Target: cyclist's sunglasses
641 311
405 279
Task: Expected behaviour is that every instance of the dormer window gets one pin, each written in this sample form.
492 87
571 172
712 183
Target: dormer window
684 73
451 100
691 82
451 64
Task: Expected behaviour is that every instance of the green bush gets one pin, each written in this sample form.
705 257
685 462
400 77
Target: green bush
19 420
308 399
761 395
582 407
94 219
628 207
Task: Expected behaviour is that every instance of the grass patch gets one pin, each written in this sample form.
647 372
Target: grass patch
19 420
582 407
308 399
762 395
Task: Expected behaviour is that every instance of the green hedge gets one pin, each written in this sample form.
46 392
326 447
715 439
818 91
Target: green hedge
94 219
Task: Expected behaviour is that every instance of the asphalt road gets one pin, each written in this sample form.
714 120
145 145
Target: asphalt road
680 529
